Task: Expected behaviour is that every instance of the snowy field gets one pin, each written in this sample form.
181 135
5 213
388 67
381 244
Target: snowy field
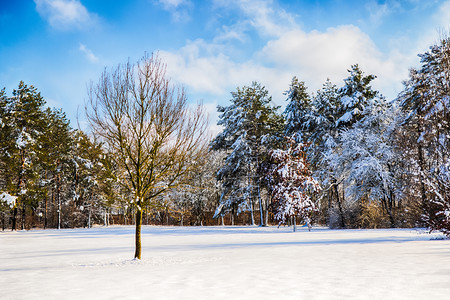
224 263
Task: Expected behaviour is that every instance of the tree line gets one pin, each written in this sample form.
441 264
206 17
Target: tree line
343 156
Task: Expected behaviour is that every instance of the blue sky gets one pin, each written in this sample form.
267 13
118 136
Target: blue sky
211 47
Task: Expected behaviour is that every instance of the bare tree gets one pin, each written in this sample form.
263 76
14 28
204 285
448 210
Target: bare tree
146 123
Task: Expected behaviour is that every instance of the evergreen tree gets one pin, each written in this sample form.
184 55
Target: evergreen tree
251 124
366 159
292 183
297 109
356 100
6 141
355 96
92 189
322 122
55 163
425 104
27 126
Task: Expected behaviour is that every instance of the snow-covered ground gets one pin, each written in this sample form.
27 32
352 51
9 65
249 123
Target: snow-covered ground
224 263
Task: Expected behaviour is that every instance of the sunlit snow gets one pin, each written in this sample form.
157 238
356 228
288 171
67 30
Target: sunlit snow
224 263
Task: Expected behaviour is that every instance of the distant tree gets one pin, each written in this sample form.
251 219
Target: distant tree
251 125
23 126
55 162
426 107
366 158
298 109
292 183
92 192
6 147
198 194
355 96
147 126
320 120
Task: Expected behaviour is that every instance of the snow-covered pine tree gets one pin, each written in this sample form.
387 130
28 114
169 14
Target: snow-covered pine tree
332 111
6 145
322 134
356 98
26 113
366 158
297 110
234 174
54 157
355 95
292 183
425 102
250 124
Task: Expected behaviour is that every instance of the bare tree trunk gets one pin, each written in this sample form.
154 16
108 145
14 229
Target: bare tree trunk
421 161
23 215
267 212
261 213
251 196
45 213
341 212
14 218
252 217
89 216
3 222
137 254
58 196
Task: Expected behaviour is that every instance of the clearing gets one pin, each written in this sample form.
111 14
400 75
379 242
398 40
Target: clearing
224 263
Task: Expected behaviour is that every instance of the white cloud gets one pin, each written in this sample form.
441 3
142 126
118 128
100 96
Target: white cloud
88 53
312 57
316 56
209 68
261 15
438 24
170 4
65 14
203 68
443 16
378 11
178 8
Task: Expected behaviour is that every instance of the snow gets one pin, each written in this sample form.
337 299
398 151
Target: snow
23 139
345 118
224 263
10 200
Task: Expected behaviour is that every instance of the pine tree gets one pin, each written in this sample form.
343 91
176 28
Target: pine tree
355 95
292 183
251 124
367 158
54 147
92 190
298 108
425 104
323 119
27 126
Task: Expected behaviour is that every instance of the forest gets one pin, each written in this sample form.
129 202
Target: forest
343 156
